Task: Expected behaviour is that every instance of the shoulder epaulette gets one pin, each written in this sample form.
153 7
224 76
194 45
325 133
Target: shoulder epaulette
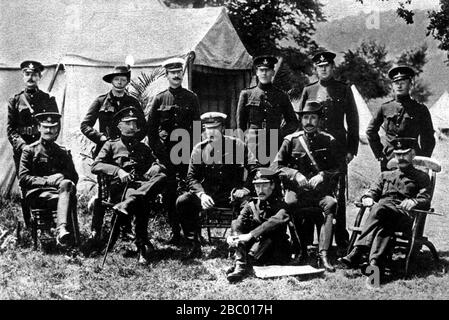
294 135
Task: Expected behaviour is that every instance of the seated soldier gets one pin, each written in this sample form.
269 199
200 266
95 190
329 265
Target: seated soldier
139 177
260 230
214 176
396 193
48 175
309 165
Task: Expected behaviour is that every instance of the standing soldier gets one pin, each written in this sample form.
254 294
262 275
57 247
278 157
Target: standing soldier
309 164
171 109
139 175
338 103
401 117
47 174
104 108
260 231
265 107
22 127
215 175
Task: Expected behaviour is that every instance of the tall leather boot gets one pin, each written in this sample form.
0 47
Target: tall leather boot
241 269
325 261
64 208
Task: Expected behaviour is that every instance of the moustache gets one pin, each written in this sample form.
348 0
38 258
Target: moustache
403 162
176 78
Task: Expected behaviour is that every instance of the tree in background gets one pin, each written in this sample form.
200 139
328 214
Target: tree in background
367 68
438 21
417 59
279 27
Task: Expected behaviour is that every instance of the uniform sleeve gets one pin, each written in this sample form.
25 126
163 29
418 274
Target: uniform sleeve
87 125
352 121
279 220
375 192
242 116
26 179
103 162
372 133
251 163
70 172
12 127
331 172
245 217
426 137
302 103
291 122
423 197
153 124
52 105
282 160
194 173
196 108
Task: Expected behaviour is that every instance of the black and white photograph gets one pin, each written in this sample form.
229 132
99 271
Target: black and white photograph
235 152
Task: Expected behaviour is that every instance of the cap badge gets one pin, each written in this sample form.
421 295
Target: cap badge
265 61
31 66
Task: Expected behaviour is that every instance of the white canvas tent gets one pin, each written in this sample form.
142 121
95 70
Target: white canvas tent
79 41
440 113
364 114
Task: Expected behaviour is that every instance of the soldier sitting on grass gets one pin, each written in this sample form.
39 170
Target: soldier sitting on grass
259 233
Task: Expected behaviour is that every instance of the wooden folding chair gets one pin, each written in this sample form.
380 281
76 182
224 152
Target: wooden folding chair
411 240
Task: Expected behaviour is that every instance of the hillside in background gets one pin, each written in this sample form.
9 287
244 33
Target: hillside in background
347 33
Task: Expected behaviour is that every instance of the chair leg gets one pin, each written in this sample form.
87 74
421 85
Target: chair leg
432 249
34 233
408 258
354 234
75 226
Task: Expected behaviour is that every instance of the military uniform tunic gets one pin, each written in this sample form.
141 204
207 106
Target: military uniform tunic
265 107
21 127
403 117
42 159
267 221
172 109
292 159
385 218
104 108
216 171
134 157
338 102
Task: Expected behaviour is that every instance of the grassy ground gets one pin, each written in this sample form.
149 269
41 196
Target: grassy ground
28 274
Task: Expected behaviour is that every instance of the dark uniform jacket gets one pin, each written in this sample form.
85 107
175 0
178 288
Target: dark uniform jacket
266 106
267 218
216 171
401 118
399 185
42 159
338 101
21 127
292 158
127 154
104 108
171 109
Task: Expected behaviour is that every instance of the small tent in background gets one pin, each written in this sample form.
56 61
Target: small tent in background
440 114
364 114
80 41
